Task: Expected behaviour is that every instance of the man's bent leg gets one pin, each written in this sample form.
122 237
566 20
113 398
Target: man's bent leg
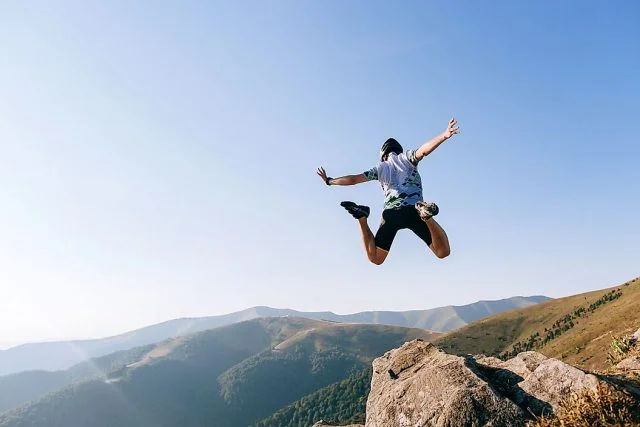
375 254
439 240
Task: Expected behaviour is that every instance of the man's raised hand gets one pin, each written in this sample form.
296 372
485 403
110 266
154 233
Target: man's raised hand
322 174
452 128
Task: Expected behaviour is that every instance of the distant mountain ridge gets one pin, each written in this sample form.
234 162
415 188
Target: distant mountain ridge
53 356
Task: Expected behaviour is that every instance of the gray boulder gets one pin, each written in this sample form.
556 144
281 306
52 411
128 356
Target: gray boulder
419 385
535 382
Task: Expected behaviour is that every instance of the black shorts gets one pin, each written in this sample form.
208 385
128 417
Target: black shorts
397 219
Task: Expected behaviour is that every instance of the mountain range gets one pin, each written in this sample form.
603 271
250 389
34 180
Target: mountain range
61 355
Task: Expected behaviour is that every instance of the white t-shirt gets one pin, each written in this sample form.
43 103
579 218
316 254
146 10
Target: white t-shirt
399 178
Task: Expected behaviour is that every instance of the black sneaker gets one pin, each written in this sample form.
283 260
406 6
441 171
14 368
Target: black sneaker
358 211
427 209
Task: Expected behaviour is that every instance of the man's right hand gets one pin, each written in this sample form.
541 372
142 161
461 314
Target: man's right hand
429 146
322 174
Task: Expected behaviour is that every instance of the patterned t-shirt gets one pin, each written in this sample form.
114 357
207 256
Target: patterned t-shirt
399 178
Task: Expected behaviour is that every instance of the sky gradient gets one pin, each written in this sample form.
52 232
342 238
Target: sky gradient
157 159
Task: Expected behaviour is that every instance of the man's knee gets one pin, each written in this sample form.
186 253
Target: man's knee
377 257
443 252
376 261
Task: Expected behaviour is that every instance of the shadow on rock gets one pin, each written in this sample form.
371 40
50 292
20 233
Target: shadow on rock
505 382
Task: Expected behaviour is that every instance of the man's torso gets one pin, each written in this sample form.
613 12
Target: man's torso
400 180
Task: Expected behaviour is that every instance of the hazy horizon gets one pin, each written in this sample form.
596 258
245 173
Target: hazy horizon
8 345
158 160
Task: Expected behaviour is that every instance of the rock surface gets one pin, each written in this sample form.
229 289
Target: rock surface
629 364
324 424
419 385
536 382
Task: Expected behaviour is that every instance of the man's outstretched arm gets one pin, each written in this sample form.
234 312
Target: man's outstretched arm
343 180
429 146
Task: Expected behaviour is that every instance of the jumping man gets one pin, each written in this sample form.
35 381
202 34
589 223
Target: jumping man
403 207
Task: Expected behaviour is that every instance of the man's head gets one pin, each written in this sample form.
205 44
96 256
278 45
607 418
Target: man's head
390 146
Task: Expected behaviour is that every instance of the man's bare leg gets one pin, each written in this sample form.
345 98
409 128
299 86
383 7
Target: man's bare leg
375 254
439 240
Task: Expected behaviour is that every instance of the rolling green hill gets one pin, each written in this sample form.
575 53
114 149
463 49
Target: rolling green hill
576 329
318 357
230 376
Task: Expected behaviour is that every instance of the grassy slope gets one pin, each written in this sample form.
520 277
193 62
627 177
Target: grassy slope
584 345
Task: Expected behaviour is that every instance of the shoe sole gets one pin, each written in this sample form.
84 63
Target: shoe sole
350 205
427 210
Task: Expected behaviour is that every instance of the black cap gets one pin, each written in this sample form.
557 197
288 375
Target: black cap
390 146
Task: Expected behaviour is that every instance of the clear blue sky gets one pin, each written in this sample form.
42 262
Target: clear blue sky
157 159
